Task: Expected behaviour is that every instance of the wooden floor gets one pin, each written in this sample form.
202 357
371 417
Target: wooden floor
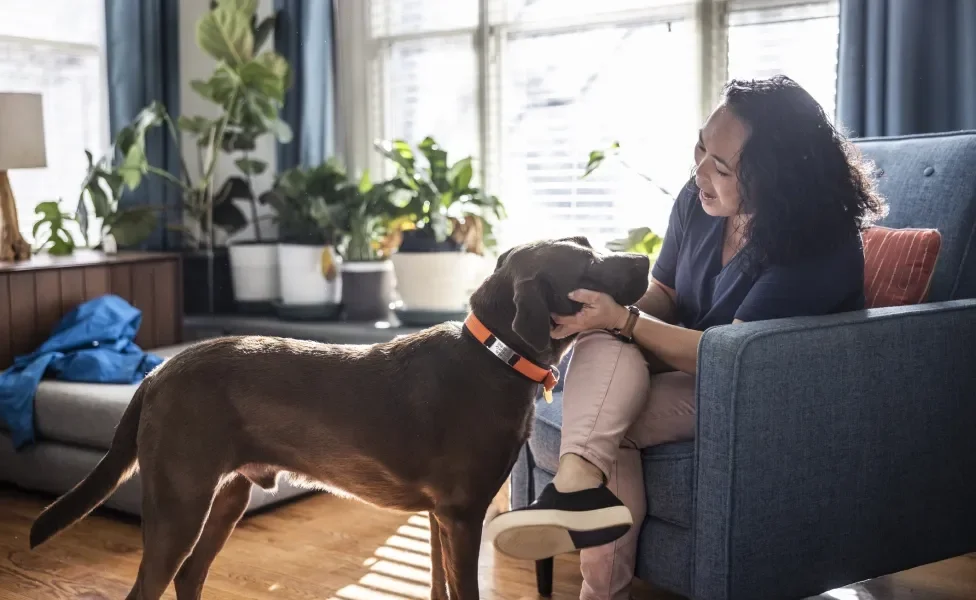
324 547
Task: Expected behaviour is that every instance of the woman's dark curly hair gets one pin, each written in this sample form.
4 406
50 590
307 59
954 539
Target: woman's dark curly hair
803 184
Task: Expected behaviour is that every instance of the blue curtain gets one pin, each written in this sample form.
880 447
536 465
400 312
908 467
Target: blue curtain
143 66
304 35
906 66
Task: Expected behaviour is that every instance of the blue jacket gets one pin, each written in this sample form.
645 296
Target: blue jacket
93 343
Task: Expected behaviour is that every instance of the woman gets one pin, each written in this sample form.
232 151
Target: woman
768 227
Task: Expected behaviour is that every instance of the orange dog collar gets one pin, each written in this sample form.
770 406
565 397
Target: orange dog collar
547 377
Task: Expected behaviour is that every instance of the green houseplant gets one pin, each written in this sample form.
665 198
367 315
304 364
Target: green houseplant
446 231
248 88
98 204
309 209
370 215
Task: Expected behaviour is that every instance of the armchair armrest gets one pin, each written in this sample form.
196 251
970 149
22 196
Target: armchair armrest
834 449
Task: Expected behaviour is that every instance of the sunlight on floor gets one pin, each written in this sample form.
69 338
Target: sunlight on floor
399 569
846 594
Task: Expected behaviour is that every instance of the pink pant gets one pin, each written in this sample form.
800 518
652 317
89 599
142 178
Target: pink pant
612 407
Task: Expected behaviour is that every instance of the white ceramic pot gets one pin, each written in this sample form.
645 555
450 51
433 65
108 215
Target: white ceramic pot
301 278
254 271
437 281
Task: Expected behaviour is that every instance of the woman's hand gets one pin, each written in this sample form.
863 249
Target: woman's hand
599 311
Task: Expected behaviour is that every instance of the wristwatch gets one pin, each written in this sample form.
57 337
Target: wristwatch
626 332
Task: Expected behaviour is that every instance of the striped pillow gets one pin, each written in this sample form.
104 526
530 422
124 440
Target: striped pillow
898 265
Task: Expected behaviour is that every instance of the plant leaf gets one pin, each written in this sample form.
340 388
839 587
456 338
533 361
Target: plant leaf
399 152
99 200
365 184
233 188
229 217
251 166
437 163
281 130
225 33
132 226
263 31
460 176
197 125
247 7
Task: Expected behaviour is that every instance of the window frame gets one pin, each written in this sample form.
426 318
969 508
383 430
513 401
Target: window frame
363 108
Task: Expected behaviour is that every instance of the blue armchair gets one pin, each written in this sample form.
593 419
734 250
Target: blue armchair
828 450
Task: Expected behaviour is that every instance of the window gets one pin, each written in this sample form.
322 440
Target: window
57 52
530 87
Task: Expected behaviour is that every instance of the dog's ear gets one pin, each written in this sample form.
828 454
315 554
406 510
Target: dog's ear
501 258
531 321
579 239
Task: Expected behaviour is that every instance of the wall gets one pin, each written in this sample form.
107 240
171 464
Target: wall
194 64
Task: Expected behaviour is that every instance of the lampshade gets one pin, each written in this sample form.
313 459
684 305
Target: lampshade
21 132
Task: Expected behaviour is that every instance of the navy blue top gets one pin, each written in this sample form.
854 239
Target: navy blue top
709 294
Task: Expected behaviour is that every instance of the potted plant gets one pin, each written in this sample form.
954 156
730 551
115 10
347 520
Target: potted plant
367 271
308 206
253 262
56 231
248 85
449 227
249 88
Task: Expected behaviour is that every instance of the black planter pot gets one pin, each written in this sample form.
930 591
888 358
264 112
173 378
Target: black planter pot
197 283
423 240
367 290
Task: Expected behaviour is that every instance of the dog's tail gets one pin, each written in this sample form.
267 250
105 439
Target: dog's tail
112 471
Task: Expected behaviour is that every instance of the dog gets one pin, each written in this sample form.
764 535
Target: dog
432 421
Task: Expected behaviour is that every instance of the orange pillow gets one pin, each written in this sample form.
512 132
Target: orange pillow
898 265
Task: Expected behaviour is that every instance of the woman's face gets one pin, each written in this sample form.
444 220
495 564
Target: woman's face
717 160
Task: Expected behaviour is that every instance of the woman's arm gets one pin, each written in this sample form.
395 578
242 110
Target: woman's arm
674 345
659 301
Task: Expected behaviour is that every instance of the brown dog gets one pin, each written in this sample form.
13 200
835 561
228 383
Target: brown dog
428 422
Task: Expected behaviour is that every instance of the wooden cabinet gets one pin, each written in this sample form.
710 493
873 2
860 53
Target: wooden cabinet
36 294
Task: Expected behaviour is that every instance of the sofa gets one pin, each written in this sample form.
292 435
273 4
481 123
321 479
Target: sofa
828 450
75 423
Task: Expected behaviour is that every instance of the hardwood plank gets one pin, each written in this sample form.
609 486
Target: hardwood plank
47 287
98 282
23 313
72 289
6 356
325 547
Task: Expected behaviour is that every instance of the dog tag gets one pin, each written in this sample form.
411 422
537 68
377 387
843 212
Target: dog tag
547 394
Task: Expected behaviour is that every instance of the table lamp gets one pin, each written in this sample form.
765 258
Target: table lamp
21 147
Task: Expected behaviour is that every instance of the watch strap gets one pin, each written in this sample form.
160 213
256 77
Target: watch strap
627 331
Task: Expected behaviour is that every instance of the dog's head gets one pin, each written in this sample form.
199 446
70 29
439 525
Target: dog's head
532 281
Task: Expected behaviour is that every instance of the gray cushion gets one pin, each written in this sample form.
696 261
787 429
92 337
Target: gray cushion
929 182
669 466
85 414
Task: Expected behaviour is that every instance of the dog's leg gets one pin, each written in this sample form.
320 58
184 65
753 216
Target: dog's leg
228 508
461 543
172 519
438 583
